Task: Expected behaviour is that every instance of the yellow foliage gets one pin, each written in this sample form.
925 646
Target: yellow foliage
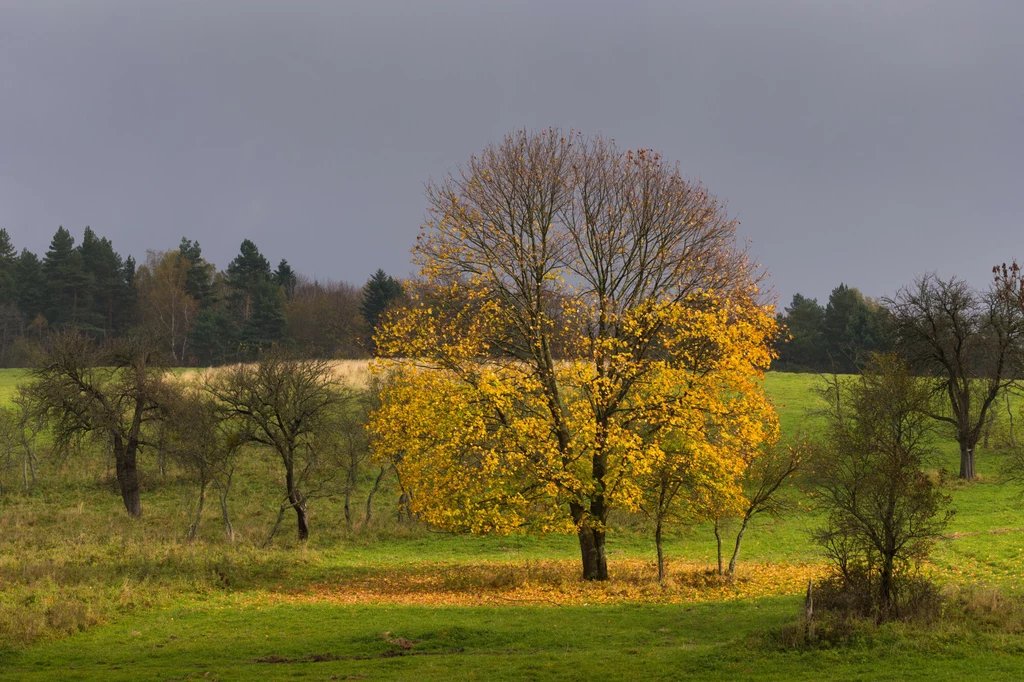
582 329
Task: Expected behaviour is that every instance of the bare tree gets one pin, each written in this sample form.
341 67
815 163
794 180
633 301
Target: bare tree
110 392
199 436
967 344
883 513
763 480
287 405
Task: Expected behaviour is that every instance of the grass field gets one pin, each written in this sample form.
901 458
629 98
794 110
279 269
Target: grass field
87 593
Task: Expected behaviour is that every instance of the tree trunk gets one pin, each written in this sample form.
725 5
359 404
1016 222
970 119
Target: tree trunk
299 505
369 498
595 563
297 502
885 589
661 553
348 507
223 488
739 541
718 543
193 527
128 476
966 461
229 532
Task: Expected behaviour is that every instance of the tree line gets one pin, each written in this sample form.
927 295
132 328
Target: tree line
837 337
202 316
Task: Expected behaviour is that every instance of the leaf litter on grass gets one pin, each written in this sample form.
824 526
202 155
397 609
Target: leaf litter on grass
554 583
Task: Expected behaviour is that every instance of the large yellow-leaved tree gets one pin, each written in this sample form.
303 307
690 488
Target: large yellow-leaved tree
580 312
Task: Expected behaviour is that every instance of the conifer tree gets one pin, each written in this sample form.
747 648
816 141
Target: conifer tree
379 292
286 278
248 269
30 285
8 265
67 282
199 273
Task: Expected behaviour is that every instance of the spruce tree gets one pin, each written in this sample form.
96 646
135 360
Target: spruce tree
68 285
102 311
286 278
380 291
8 266
267 324
248 269
199 275
30 285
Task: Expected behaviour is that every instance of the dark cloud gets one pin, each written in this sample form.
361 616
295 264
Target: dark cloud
862 142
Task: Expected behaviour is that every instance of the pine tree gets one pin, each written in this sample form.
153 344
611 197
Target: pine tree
248 269
199 276
8 265
286 278
30 285
68 285
380 291
267 324
105 269
215 337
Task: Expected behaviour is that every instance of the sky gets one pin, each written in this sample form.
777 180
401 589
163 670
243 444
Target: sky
860 142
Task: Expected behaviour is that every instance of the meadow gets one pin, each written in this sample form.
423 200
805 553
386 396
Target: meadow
88 593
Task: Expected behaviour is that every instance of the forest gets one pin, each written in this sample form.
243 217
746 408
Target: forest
203 316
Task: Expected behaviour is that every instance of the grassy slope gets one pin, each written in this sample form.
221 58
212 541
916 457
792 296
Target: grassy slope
90 553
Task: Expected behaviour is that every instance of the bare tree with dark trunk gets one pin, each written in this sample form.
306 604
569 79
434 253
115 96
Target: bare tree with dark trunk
968 346
110 392
287 405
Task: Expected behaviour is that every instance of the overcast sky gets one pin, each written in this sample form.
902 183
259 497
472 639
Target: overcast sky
862 142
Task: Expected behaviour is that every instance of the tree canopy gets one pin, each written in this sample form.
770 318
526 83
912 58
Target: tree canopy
579 307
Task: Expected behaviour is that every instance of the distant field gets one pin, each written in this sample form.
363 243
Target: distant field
9 379
400 602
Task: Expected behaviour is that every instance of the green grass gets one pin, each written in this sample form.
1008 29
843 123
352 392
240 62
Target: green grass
87 593
9 379
704 641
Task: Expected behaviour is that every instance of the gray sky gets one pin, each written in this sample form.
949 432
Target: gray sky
862 142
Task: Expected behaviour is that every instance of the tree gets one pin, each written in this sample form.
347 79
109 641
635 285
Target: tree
286 278
762 484
853 327
166 307
19 428
68 285
248 269
287 405
883 513
104 312
215 337
564 287
206 443
267 324
324 320
967 344
109 391
30 285
380 292
802 347
198 273
8 266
